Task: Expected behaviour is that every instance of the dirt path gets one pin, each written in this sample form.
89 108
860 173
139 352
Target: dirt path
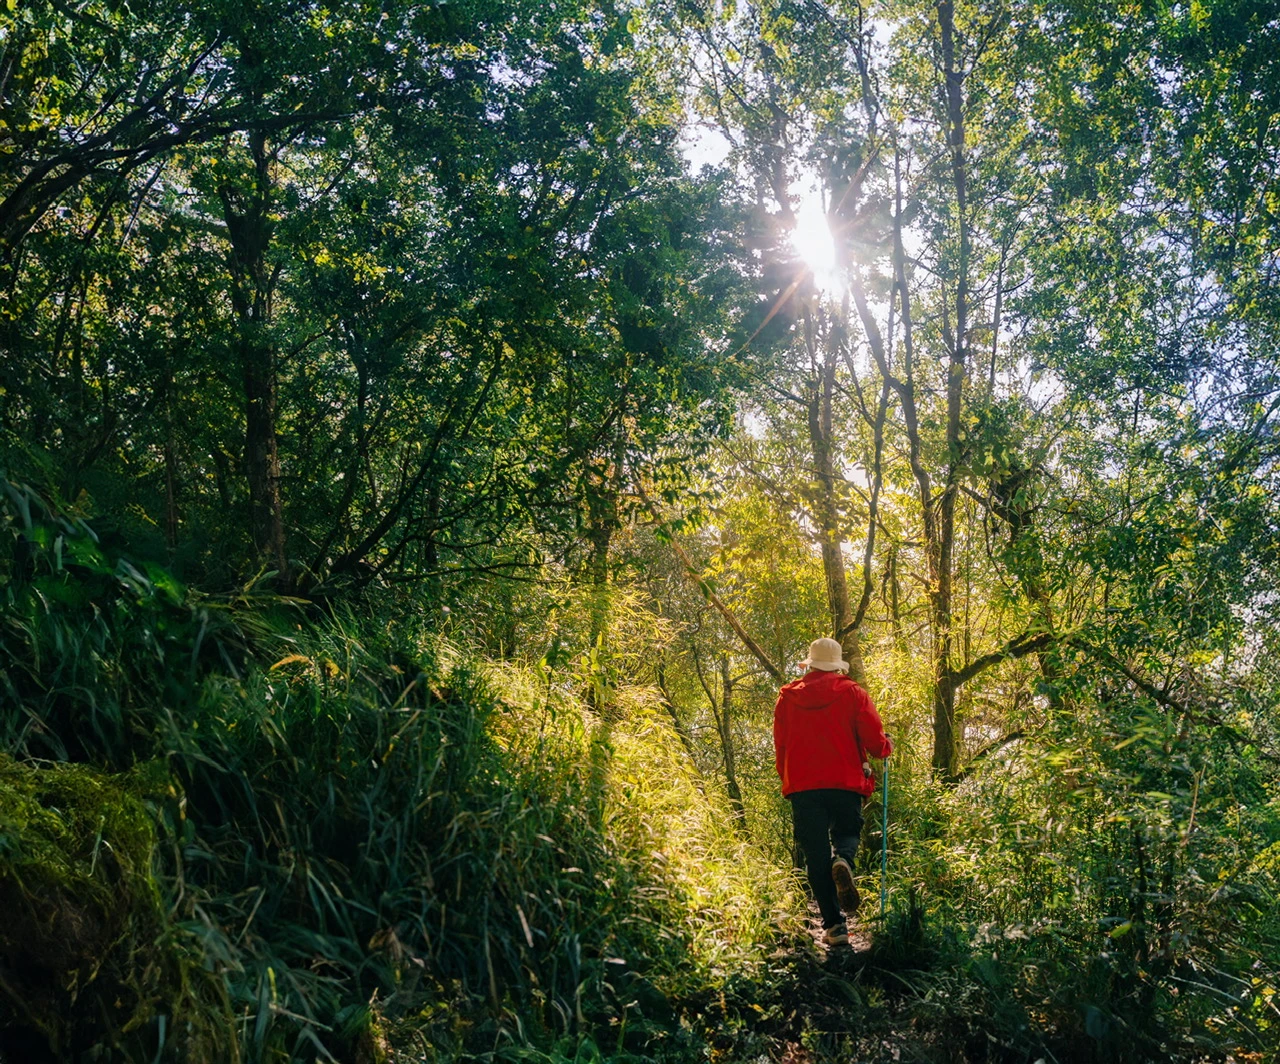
825 1004
859 932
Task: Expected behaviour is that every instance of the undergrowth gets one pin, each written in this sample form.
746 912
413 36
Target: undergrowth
238 827
1108 901
365 836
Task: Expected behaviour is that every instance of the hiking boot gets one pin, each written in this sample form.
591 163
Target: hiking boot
846 891
836 936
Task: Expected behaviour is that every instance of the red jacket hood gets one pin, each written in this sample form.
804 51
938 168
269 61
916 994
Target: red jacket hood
814 690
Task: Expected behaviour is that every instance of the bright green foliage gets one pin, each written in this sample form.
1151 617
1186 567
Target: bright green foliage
1122 874
405 337
434 844
356 293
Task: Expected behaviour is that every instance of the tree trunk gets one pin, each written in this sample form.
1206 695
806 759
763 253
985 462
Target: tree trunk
599 536
262 456
724 721
246 211
940 608
602 486
826 505
895 600
602 519
170 471
944 702
686 740
170 494
721 714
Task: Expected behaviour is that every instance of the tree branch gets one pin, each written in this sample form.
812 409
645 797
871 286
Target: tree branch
1169 702
691 572
988 750
1018 647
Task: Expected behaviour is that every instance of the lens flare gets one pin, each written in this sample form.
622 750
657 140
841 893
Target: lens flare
813 242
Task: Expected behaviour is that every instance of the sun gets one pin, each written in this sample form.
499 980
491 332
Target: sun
813 242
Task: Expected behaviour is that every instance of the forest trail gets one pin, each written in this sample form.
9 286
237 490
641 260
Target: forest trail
859 932
824 1003
432 433
817 1003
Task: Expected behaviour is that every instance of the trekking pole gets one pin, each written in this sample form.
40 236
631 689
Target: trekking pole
884 840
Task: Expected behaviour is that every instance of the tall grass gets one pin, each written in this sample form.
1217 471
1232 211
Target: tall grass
331 834
371 835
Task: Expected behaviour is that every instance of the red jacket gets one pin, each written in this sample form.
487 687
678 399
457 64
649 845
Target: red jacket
824 725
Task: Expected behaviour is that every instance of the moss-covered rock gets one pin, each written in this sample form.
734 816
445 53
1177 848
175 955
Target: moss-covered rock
87 955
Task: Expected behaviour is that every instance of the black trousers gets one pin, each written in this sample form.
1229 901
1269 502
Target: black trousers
826 821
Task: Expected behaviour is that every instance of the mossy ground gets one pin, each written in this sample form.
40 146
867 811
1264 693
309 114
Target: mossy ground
88 956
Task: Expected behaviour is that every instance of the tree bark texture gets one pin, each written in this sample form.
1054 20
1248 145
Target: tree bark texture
944 701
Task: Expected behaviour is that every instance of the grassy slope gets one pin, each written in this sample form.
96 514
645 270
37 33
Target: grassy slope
356 834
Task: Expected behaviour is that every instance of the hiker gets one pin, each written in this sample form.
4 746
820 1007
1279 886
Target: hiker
824 727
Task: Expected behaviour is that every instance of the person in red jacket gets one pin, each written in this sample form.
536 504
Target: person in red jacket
824 729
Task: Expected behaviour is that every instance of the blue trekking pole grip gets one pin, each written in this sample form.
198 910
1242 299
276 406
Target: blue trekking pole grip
884 840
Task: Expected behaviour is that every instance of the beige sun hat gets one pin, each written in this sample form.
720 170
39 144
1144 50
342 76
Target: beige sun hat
827 655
